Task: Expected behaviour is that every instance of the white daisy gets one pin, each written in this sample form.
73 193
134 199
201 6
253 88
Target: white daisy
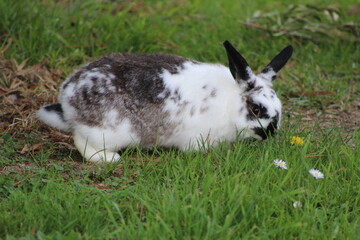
280 163
316 173
297 204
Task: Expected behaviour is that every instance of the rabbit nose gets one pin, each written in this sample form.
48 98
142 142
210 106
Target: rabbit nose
269 131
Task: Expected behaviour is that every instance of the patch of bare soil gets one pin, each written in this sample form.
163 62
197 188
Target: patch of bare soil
328 118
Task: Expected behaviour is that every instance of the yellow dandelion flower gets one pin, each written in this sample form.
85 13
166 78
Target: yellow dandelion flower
297 141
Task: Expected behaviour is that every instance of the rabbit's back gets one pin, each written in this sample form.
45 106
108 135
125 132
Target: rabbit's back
133 79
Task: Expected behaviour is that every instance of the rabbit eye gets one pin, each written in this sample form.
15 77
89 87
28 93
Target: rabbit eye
256 111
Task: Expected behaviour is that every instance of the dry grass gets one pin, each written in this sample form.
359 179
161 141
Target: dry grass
23 89
306 22
328 118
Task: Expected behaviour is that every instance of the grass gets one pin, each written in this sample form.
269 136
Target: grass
47 192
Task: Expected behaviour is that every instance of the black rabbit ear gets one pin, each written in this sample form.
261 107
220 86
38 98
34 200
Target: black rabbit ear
239 68
277 63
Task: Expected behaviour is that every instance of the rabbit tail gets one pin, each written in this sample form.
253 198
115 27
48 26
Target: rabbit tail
53 116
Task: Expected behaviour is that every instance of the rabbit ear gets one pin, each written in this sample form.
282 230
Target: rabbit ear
277 63
239 68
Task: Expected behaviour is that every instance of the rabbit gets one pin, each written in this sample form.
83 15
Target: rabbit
147 100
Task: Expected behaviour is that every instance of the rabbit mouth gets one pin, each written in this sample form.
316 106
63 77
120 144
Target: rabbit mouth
269 131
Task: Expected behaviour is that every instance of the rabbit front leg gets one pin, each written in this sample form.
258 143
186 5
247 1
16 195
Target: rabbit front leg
92 153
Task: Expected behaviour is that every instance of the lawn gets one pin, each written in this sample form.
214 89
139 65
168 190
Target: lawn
47 191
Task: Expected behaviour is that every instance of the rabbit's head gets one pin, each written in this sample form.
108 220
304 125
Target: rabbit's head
261 111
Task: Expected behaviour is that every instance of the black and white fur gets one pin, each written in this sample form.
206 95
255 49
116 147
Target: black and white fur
151 100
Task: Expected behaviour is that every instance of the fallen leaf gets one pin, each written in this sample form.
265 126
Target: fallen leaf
26 148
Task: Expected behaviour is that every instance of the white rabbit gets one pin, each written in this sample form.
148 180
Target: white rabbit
149 100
